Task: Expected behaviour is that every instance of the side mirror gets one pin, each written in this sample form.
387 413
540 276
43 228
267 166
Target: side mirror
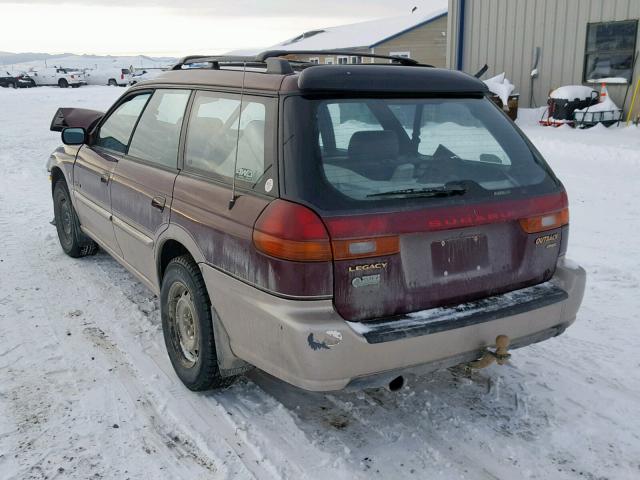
74 136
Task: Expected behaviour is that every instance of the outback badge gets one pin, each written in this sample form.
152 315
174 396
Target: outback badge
548 241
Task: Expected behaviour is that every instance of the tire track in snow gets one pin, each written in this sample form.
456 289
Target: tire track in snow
207 413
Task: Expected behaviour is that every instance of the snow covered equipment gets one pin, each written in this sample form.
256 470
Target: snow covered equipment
605 111
564 101
503 96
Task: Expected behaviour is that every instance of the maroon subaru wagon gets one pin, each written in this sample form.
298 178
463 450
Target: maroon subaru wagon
333 225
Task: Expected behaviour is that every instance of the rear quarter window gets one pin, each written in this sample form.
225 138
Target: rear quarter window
220 130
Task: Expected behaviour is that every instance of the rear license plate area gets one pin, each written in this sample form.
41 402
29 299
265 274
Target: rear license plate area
459 255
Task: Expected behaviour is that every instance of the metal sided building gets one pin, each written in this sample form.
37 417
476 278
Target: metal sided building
421 34
574 41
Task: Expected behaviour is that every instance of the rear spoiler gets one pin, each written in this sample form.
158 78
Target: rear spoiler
75 117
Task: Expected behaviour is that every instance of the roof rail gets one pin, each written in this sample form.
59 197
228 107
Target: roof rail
214 60
280 53
273 63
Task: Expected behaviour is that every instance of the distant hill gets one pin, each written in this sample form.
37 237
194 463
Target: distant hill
28 61
8 58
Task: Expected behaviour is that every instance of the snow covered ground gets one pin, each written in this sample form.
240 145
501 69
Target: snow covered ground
87 391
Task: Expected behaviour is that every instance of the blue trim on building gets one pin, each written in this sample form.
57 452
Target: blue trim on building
422 24
459 63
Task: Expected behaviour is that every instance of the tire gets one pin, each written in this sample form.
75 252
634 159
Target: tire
62 83
187 325
112 82
73 242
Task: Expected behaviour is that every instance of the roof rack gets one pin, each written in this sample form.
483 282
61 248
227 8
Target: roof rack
346 53
274 63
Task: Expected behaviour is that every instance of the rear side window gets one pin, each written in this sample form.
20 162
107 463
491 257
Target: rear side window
157 135
213 137
115 132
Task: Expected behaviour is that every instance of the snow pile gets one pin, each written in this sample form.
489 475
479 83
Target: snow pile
612 80
94 61
573 92
500 86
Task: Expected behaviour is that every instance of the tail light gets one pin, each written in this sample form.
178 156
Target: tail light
122 76
549 220
72 76
291 231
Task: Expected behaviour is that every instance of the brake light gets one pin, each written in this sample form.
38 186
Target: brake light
72 76
122 76
290 231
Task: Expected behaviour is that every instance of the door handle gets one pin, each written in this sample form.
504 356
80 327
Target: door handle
158 202
104 178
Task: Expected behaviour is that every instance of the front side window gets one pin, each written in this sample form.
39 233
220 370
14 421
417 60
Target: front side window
115 132
214 141
157 135
610 49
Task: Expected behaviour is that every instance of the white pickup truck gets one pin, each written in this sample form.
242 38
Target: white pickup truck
110 76
62 77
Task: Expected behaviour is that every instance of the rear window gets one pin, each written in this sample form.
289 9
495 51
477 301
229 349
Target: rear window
390 150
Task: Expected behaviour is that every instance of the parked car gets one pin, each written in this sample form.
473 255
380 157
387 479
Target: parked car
333 225
25 81
144 75
8 80
62 77
109 76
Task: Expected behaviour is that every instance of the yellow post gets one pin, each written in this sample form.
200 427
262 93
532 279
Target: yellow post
633 101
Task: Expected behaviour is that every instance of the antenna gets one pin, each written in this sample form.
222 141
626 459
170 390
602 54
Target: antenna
232 202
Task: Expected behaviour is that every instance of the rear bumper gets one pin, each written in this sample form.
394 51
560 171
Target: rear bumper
307 344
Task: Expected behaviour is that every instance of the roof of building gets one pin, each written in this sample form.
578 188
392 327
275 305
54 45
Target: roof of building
366 34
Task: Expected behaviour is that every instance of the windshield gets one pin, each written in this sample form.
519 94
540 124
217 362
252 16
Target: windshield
373 149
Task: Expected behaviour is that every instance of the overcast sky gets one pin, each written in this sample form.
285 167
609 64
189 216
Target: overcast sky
164 27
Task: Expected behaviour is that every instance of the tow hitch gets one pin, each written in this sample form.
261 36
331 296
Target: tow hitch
500 355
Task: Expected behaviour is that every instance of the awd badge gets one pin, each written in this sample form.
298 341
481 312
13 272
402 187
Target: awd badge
366 280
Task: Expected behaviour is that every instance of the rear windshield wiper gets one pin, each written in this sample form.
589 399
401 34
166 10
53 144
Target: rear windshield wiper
423 192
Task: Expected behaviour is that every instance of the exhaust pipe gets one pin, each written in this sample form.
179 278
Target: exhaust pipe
396 384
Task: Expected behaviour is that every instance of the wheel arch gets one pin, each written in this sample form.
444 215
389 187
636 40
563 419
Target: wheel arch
172 243
176 241
56 176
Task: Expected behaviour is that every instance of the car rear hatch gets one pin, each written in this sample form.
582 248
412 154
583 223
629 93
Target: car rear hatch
428 201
